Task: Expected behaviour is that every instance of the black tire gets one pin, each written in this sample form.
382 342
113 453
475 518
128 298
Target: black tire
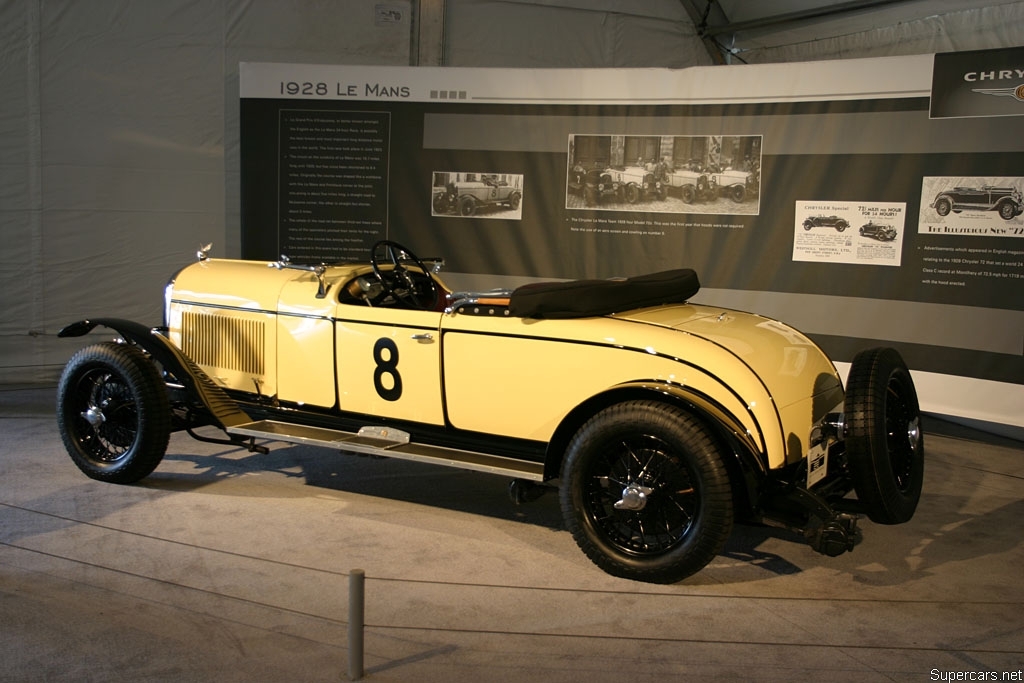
113 413
942 206
1007 211
685 512
842 225
467 206
514 200
738 193
884 441
688 194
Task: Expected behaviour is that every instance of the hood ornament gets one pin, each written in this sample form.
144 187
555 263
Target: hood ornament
204 252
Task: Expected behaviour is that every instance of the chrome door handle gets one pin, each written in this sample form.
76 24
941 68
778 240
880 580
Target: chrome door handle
425 338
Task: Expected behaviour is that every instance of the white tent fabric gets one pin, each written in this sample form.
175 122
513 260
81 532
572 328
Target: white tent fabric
980 28
119 123
119 146
500 33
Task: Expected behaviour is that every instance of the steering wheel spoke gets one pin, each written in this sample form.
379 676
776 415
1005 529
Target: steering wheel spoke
398 280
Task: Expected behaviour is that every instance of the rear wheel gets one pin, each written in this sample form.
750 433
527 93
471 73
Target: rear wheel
884 441
645 493
113 413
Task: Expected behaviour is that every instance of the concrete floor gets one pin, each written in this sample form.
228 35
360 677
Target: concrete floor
230 566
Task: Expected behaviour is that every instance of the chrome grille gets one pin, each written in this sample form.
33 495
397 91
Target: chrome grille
224 342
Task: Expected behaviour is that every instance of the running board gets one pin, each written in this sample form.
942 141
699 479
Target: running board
389 443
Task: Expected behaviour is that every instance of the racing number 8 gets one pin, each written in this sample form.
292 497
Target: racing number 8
387 367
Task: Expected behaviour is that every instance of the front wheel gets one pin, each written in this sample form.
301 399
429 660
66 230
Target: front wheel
632 193
113 413
645 493
440 203
884 441
1007 211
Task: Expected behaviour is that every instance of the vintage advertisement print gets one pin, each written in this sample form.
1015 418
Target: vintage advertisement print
980 206
863 233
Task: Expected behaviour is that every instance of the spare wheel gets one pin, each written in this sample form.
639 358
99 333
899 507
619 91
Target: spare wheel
884 441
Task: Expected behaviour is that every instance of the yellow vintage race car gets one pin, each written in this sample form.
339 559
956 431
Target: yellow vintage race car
660 422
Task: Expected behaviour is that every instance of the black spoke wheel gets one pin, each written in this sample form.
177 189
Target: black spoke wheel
645 493
113 413
884 441
417 289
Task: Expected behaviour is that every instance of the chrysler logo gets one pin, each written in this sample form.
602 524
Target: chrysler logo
1016 93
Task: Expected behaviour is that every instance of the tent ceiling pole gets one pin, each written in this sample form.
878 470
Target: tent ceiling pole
792 17
427 33
702 13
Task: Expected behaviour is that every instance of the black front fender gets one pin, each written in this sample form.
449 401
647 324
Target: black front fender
196 382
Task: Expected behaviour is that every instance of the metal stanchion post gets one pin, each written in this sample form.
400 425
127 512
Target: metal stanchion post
356 613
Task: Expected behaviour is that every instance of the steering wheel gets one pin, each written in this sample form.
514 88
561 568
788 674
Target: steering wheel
398 281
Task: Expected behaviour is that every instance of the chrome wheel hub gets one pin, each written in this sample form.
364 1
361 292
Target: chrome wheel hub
914 433
634 497
94 416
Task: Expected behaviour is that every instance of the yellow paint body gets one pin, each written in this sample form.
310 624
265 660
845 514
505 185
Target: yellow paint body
249 325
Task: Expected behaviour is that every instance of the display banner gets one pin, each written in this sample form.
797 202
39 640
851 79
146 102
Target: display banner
823 194
978 83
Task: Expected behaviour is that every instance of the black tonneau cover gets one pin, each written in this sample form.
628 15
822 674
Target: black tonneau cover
587 298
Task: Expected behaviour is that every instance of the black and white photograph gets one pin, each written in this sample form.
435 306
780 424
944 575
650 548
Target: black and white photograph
716 174
480 195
